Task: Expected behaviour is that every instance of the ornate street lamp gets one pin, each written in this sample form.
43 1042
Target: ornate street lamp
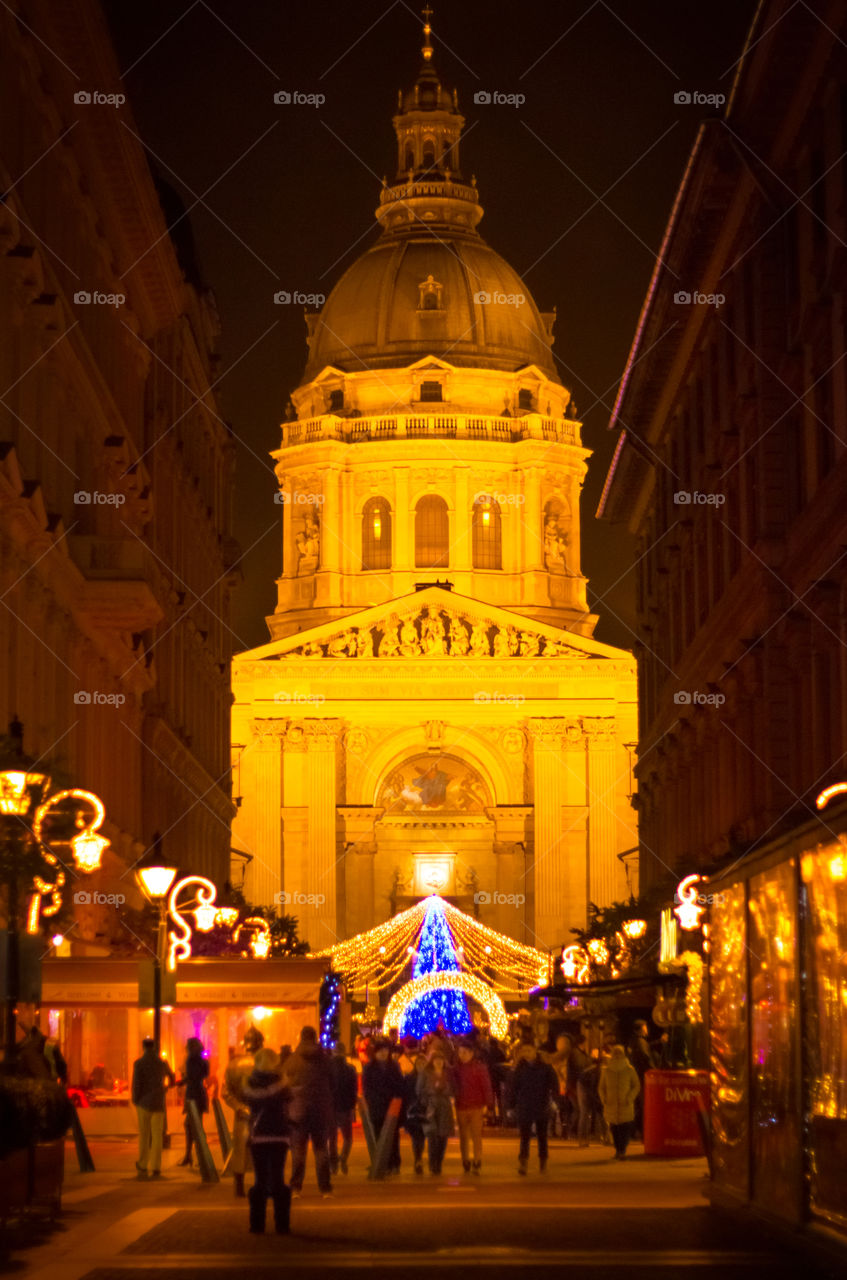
155 882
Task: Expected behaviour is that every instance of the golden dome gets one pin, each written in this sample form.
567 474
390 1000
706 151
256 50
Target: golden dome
424 294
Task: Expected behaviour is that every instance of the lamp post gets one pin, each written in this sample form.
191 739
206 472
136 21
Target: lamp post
21 790
155 883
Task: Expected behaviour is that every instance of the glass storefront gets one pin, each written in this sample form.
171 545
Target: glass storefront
824 879
728 992
775 1077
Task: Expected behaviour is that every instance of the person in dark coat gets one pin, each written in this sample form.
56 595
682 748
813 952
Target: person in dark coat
268 1099
415 1111
345 1092
382 1081
435 1091
534 1086
640 1054
151 1077
312 1113
194 1075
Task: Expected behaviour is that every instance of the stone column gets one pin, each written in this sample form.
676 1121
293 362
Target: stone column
403 532
321 737
357 846
332 531
261 765
533 539
604 870
460 524
559 861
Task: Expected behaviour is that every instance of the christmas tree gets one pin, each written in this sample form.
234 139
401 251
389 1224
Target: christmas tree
436 954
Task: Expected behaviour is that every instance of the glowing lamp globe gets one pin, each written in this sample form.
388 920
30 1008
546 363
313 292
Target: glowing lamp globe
205 916
634 929
16 786
88 849
156 881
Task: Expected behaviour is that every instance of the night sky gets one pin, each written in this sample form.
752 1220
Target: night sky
576 184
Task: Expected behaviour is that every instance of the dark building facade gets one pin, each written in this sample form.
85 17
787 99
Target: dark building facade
116 467
731 468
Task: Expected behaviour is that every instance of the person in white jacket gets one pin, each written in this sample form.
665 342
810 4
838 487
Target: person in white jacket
618 1089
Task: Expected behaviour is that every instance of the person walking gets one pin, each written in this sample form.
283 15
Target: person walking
194 1074
436 1093
415 1111
239 1068
641 1056
618 1089
582 1076
345 1091
267 1099
534 1088
473 1093
312 1112
151 1077
382 1081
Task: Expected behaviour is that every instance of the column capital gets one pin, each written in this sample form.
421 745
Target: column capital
320 735
555 734
600 730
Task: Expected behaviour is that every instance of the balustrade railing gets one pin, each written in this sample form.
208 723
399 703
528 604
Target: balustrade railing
430 426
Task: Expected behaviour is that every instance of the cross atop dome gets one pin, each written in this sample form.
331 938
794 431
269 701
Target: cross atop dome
427 45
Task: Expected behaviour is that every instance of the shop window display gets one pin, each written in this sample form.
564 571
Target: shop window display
729 1029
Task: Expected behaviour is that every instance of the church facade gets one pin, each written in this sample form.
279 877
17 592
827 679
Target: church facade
432 712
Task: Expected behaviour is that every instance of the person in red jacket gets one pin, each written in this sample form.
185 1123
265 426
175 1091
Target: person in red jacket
472 1086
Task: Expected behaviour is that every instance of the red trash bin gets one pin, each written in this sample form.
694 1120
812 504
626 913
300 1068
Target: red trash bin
672 1100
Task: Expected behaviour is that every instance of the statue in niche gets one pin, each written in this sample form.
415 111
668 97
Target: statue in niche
529 645
458 637
432 632
410 645
343 646
389 645
555 545
479 646
308 546
364 644
402 885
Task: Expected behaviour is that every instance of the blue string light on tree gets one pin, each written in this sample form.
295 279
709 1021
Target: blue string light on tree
329 1001
436 954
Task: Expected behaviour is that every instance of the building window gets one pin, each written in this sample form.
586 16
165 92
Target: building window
524 398
410 159
336 401
432 533
431 391
376 534
485 531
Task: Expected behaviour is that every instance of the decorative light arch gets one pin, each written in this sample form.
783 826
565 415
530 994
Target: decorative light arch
466 982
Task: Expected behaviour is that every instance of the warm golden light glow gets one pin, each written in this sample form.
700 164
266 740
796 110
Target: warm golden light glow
15 785
575 965
689 910
634 929
377 524
472 986
156 881
205 917
180 943
837 788
87 846
837 868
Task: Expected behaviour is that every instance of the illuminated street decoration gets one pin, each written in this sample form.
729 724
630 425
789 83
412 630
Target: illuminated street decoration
458 982
179 947
837 789
260 942
693 964
379 957
87 846
16 787
634 929
689 910
668 940
437 956
575 965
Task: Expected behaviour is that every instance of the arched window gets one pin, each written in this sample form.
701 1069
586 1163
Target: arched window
485 531
376 534
428 154
432 533
410 159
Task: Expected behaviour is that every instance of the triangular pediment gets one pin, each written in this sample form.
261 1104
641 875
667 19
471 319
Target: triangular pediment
434 623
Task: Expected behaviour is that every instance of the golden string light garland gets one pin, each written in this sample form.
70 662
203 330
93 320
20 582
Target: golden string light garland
379 957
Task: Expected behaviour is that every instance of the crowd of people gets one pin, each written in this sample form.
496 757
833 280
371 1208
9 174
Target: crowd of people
430 1089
